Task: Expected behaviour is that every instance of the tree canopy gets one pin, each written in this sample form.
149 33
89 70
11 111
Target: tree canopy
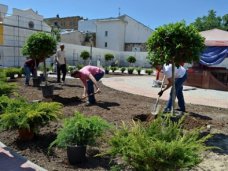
211 21
39 45
174 43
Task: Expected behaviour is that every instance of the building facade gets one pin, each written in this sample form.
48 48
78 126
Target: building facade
64 22
14 30
122 33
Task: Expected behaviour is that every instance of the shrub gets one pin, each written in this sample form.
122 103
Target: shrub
149 71
84 55
10 72
139 70
80 66
113 69
80 130
123 69
18 113
130 70
162 145
109 57
6 88
131 59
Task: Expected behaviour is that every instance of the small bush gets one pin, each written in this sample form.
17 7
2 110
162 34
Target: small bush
84 55
18 113
123 69
131 59
162 145
80 130
80 66
149 71
109 57
6 88
130 70
139 70
113 69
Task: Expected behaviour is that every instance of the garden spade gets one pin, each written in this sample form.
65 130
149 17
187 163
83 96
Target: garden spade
156 107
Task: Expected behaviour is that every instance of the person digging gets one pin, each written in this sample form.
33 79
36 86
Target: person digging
89 75
180 77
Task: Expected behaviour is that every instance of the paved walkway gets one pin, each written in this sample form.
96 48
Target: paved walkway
142 85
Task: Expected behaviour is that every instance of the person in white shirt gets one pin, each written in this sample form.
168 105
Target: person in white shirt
61 63
180 77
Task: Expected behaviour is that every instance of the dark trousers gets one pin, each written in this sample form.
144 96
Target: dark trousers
179 94
59 69
90 89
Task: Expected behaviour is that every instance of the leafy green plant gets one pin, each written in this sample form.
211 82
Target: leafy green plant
11 72
149 71
174 44
80 66
18 113
40 46
130 70
161 145
113 69
139 69
84 55
108 57
107 68
131 59
6 88
122 69
80 130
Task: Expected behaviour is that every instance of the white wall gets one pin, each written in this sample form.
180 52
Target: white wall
16 31
115 38
87 26
136 32
74 37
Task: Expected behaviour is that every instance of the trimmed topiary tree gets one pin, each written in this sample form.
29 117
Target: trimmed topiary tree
131 60
84 55
175 44
108 57
40 46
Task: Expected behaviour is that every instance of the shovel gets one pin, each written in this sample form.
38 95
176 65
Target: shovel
156 107
90 95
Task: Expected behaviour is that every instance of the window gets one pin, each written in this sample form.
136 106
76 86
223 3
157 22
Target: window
31 24
106 33
106 44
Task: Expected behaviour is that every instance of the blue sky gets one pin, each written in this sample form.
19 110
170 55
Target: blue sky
152 13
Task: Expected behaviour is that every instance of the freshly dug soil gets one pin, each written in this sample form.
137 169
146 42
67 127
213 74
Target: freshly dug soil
112 105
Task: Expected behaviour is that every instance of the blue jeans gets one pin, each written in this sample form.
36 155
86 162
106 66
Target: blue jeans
90 88
179 94
28 72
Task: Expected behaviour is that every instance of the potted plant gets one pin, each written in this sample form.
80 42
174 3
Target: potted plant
122 69
78 132
130 70
139 69
26 117
40 46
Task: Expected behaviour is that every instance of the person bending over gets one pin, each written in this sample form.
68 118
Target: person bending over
89 75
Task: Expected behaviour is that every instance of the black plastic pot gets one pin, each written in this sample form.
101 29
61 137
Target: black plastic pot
76 154
47 90
36 81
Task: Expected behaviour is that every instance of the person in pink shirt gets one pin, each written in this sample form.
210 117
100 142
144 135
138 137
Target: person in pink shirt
89 75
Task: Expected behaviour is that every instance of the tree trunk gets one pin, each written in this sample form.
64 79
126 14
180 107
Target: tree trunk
173 87
45 72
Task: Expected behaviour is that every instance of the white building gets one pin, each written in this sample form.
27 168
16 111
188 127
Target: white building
121 34
14 30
